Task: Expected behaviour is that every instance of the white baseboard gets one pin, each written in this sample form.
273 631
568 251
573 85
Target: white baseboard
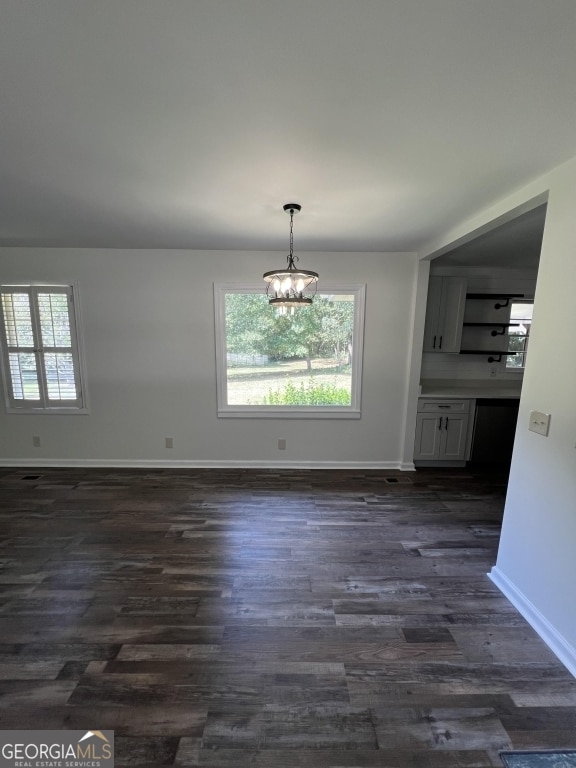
565 652
204 464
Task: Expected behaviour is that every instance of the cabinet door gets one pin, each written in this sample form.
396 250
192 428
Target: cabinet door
453 304
444 314
434 302
428 437
454 432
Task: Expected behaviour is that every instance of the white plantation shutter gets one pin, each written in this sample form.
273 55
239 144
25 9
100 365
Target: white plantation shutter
17 315
40 348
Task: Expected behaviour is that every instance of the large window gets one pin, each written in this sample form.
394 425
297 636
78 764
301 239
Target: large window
519 334
304 362
40 355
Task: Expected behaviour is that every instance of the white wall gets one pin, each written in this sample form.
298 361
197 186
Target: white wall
536 563
148 322
536 566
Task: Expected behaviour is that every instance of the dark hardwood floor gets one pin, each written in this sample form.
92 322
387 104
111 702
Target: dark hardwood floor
273 619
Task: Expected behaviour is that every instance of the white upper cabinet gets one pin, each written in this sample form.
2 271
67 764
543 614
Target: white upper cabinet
444 314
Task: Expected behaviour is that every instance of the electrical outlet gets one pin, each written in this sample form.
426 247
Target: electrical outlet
281 445
36 442
539 423
169 442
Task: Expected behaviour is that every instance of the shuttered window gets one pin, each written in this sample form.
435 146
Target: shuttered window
40 355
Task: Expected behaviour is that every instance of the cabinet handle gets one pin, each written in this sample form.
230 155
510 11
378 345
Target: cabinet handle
446 425
444 406
440 423
440 344
434 343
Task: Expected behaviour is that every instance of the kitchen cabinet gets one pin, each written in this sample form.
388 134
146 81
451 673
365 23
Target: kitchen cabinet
444 314
442 431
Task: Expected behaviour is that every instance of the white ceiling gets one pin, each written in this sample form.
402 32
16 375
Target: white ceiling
188 123
514 245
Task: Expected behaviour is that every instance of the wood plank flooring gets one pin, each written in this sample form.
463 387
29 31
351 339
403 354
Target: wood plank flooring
272 619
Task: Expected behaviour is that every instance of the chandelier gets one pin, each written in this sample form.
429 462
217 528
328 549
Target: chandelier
290 286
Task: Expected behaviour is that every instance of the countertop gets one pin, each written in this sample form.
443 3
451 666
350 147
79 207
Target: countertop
471 388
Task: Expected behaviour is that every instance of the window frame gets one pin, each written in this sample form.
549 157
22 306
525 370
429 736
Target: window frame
45 405
352 411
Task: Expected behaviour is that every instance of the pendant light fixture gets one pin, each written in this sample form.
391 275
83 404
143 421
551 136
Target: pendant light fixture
290 286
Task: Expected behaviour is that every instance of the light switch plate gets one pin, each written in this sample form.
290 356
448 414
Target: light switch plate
539 422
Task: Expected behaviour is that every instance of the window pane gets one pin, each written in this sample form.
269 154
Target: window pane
521 311
24 376
515 361
18 319
60 380
516 343
519 333
54 319
289 358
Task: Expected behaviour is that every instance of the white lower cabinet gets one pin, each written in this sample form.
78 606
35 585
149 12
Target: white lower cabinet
442 433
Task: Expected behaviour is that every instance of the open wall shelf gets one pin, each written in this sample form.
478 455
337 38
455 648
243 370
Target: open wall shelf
501 300
497 297
495 326
495 355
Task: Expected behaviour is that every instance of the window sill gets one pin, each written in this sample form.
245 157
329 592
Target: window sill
288 413
48 411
